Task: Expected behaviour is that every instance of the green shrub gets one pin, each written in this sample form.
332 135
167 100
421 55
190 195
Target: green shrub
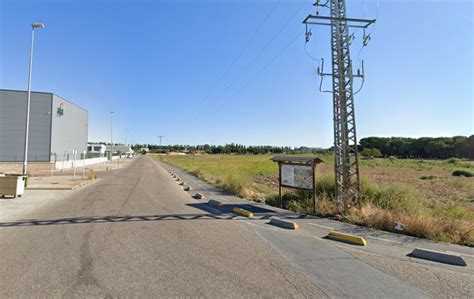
393 198
429 177
453 160
464 173
371 153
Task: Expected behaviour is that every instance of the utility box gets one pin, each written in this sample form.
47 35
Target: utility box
12 185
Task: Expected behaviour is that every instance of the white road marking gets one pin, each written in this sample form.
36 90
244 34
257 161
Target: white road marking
321 225
386 240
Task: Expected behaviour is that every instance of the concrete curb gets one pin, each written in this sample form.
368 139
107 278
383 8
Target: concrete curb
73 187
284 223
199 196
242 212
438 256
215 203
347 238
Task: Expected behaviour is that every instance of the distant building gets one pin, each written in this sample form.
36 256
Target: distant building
96 148
57 127
118 148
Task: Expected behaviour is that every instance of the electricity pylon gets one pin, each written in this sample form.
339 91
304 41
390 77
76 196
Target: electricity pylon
346 162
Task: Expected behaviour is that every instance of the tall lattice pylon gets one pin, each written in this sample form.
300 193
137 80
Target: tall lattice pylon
345 138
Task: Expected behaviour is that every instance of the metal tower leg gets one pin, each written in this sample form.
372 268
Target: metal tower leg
345 139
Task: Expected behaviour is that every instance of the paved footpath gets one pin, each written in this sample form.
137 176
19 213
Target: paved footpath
135 232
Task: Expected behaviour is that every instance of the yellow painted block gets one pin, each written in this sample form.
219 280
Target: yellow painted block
199 196
242 212
353 239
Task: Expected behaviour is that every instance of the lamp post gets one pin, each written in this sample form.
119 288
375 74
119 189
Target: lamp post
25 160
111 129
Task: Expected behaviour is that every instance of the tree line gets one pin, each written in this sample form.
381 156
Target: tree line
231 148
400 147
423 148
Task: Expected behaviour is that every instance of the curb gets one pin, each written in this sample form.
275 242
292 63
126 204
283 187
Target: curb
347 238
199 196
438 256
215 203
242 212
283 223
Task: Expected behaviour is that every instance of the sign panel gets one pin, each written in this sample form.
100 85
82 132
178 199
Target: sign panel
298 176
60 110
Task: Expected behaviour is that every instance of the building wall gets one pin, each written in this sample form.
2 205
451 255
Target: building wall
69 130
13 123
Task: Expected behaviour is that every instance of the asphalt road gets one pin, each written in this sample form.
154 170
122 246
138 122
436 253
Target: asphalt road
175 251
135 232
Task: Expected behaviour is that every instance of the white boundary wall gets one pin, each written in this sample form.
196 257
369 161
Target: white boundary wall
79 162
70 164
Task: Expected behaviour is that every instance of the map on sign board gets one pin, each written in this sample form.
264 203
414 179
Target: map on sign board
298 176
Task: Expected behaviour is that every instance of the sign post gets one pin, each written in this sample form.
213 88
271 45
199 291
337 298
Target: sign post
297 173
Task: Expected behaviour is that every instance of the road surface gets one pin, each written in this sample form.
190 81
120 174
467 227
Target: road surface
135 232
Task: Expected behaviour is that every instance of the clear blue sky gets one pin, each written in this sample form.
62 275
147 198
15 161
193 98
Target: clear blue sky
159 66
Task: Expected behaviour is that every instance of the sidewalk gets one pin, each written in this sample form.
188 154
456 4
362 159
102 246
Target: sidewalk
62 182
31 199
46 188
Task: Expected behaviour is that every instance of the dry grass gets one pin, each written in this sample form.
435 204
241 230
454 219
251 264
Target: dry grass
420 225
438 207
90 174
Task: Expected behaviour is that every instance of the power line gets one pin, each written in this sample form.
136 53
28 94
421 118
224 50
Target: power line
276 35
242 51
261 70
268 43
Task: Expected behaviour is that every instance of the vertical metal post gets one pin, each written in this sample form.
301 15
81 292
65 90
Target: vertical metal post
83 164
314 188
279 185
74 152
25 158
52 163
111 129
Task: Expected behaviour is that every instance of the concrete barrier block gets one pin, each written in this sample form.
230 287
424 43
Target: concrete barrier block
199 196
188 188
242 212
284 223
347 238
213 202
438 256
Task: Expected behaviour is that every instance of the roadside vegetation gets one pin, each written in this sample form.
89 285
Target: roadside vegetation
424 195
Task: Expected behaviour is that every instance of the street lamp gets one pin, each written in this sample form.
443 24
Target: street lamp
25 159
111 129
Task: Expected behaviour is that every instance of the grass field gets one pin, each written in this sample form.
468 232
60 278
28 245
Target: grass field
421 194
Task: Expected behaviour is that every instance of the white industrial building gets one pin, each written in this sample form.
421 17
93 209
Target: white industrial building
58 128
